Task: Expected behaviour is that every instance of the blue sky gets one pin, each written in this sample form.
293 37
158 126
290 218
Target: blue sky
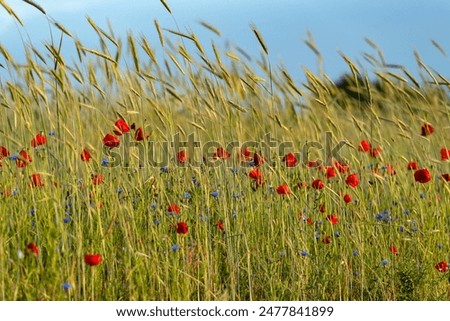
398 27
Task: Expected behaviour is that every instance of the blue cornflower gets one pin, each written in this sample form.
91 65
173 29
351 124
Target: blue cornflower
32 211
105 162
52 133
174 247
187 195
157 222
215 194
66 286
422 195
164 169
153 206
236 195
440 246
406 212
304 253
337 234
383 216
67 219
234 170
14 157
401 229
384 262
355 252
251 163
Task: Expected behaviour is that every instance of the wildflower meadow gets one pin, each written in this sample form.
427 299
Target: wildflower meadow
169 169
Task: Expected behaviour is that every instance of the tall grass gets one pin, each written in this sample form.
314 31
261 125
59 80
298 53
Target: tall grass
267 250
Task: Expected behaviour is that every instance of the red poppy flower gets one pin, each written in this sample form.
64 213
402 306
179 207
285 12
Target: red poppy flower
393 249
32 249
92 259
173 208
445 154
352 180
314 164
38 140
322 208
317 184
412 165
85 155
182 156
36 180
121 127
182 228
139 134
258 160
341 166
309 221
441 266
219 225
302 185
347 198
283 190
3 152
290 160
390 169
364 146
330 172
422 175
446 177
326 240
375 152
221 153
5 193
111 141
427 129
97 179
255 174
333 219
246 154
23 160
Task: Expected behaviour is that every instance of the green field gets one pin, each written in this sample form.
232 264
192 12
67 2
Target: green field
240 238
